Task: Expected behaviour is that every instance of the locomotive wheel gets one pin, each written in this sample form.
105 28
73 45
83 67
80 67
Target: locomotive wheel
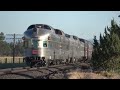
56 62
43 63
31 65
67 60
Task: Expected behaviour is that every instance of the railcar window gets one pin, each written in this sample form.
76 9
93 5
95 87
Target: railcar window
66 35
74 37
58 32
47 27
82 40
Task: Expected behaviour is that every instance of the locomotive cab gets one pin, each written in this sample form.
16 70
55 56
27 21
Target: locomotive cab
35 41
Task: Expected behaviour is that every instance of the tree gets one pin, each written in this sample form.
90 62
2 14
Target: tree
7 48
106 54
19 48
95 53
2 37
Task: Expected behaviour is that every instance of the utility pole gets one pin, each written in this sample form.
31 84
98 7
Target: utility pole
13 48
14 38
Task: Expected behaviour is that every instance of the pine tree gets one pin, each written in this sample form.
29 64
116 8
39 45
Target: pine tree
106 53
115 44
2 37
113 61
95 54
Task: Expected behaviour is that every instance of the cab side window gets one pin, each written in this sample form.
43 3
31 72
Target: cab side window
45 44
25 44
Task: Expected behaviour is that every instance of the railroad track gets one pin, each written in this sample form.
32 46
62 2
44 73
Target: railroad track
37 73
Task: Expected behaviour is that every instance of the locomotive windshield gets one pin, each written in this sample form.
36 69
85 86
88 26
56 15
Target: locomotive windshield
36 25
39 26
30 43
32 26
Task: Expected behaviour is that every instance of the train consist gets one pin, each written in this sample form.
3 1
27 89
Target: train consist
45 45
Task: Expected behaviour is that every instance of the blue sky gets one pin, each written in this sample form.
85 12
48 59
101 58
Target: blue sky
83 24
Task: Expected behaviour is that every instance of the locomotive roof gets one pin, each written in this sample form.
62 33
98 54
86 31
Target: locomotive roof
73 36
39 24
36 25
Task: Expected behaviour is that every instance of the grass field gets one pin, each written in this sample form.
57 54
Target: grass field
7 62
11 65
10 60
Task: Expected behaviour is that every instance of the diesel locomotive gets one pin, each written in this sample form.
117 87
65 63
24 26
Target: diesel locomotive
45 45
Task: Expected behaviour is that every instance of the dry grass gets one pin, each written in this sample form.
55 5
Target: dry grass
90 75
110 75
83 75
10 59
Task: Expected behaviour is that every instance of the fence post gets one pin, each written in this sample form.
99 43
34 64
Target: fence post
19 60
23 60
5 60
11 60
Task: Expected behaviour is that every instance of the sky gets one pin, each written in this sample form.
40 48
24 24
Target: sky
83 24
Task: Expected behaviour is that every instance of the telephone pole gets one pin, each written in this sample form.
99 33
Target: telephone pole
14 38
13 48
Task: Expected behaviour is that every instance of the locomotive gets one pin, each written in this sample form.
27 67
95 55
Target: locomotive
45 45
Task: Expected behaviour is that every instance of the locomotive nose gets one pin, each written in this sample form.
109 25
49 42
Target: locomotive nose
28 33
